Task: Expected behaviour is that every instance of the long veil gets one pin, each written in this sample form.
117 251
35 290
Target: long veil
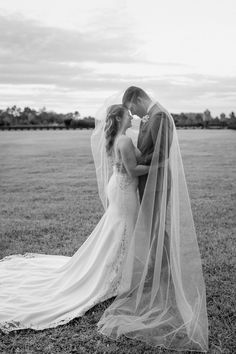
162 298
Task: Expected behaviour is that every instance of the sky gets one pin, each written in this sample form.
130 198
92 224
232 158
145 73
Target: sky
70 55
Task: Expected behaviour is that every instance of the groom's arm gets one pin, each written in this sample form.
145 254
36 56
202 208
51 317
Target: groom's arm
146 158
155 124
162 130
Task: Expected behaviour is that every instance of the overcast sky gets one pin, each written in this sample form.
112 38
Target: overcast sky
71 55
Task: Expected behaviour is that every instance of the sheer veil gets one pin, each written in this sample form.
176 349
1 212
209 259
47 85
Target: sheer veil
161 298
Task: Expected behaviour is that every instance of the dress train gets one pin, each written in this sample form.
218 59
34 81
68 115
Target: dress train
43 291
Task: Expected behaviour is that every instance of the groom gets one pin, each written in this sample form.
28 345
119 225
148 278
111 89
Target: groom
140 104
155 127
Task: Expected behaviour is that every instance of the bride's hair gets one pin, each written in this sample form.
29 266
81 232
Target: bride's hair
132 93
114 116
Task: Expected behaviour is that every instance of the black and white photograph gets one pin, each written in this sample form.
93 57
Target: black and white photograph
117 176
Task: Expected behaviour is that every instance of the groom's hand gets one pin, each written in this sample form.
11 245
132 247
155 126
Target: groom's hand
141 160
144 160
148 159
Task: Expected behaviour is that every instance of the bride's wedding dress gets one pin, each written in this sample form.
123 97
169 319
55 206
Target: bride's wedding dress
42 291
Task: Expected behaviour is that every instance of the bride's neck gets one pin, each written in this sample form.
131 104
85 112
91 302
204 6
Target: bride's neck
122 131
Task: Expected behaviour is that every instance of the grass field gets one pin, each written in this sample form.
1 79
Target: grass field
49 204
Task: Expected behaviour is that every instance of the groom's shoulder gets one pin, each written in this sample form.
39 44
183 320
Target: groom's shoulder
157 112
157 115
160 114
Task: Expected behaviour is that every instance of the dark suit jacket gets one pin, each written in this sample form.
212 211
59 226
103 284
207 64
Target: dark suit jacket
147 138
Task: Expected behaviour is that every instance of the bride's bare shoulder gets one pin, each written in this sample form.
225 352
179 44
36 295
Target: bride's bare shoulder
124 142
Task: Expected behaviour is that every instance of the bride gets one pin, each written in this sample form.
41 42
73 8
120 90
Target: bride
159 287
41 291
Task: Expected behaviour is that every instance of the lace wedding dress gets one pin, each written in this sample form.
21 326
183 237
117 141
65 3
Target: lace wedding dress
42 291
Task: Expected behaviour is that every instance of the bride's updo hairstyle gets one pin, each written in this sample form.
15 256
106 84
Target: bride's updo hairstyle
113 120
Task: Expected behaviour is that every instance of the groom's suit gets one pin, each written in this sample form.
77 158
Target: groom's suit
147 138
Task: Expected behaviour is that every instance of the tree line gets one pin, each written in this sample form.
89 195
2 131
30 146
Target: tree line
15 116
205 120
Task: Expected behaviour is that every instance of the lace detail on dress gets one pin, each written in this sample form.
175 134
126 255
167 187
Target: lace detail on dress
25 255
110 290
124 179
117 265
7 327
118 167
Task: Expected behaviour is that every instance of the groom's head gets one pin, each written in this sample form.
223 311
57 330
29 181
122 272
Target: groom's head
136 100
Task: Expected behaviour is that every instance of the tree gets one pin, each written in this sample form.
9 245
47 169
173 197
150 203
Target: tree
68 119
27 115
198 118
76 115
206 118
182 119
222 117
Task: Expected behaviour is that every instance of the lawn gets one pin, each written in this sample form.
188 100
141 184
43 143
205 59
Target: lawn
49 204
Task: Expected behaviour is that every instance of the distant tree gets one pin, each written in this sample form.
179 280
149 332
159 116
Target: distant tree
42 116
67 122
17 116
10 115
26 116
76 115
190 121
216 121
1 117
175 117
42 110
206 118
183 119
59 119
222 117
14 111
68 119
232 121
51 117
198 118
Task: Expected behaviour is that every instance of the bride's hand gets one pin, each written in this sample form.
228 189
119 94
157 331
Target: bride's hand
137 152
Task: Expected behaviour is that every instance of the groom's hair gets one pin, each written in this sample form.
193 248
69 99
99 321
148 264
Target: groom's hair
132 93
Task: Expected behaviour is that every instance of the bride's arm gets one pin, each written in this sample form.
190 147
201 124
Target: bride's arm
129 160
137 153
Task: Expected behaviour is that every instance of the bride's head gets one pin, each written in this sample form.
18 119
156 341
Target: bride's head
118 120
